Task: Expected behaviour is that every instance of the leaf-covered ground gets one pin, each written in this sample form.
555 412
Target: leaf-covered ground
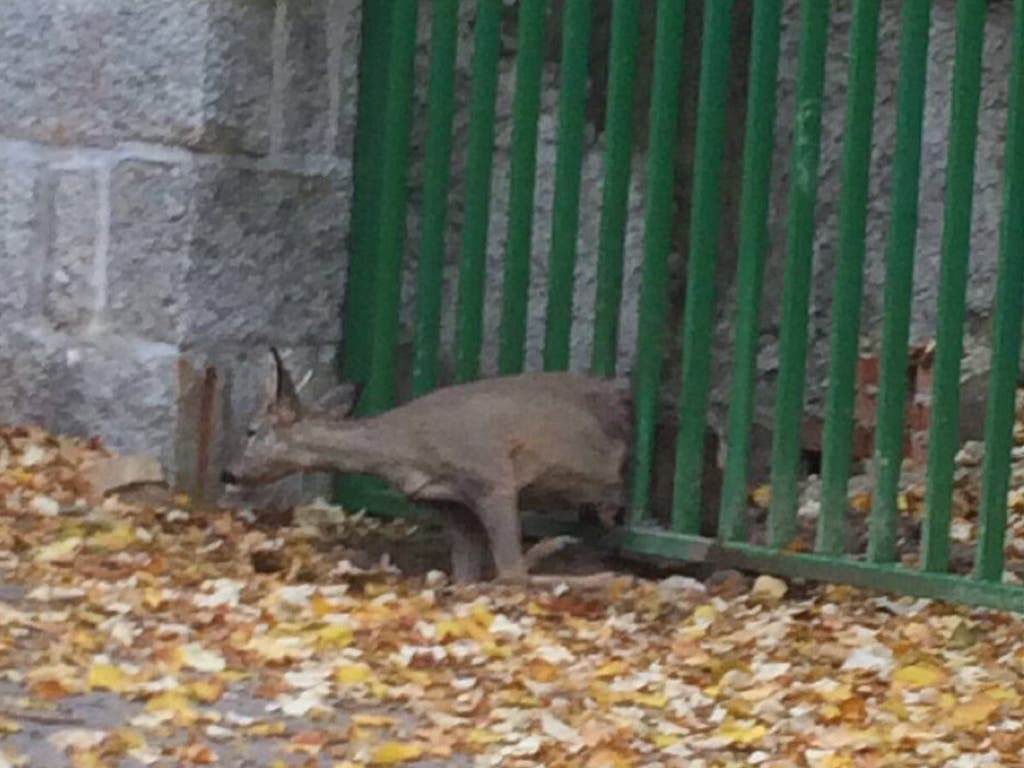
135 634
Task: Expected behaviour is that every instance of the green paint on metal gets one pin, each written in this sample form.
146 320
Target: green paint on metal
522 174
704 220
899 277
944 429
358 311
757 166
390 218
437 156
846 291
1002 387
885 578
657 232
618 138
797 276
565 225
479 157
358 304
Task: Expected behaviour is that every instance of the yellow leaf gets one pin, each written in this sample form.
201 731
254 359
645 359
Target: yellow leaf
447 629
481 738
206 691
612 669
761 496
607 758
117 538
976 711
861 502
704 614
367 720
335 634
741 733
919 675
273 728
321 606
352 674
127 739
662 740
176 704
652 700
106 677
769 587
394 752
481 615
59 551
182 499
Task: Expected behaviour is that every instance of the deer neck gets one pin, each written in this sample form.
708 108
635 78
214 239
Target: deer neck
369 446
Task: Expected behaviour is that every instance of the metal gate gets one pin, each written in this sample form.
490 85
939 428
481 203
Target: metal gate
371 314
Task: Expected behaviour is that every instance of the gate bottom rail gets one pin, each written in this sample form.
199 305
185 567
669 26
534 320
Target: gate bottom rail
895 579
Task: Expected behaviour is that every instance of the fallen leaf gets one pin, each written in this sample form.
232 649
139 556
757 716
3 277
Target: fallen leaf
919 675
394 752
769 587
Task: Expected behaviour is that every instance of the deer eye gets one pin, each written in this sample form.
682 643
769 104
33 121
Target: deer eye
250 432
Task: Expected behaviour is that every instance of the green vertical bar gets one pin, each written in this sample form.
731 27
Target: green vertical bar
617 162
437 156
899 277
618 137
944 428
373 72
522 174
390 218
479 155
849 276
757 169
698 320
1006 334
797 276
668 59
571 104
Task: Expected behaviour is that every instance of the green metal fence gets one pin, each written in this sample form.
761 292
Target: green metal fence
389 34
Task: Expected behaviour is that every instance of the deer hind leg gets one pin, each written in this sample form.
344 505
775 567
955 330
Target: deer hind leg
499 513
468 543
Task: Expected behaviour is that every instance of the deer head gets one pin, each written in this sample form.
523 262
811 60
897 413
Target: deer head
270 450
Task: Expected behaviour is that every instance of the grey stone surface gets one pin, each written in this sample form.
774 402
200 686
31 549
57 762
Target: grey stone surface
121 389
237 74
71 279
23 239
318 75
186 72
90 384
151 222
29 366
174 194
267 258
212 254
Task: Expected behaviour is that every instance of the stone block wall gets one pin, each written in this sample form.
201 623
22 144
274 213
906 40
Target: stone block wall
175 182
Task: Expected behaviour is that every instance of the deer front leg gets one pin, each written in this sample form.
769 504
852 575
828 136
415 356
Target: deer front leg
499 514
468 543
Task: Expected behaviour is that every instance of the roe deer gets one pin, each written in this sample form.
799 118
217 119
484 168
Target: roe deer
474 451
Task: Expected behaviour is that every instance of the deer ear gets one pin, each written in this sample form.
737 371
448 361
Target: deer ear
341 400
285 400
